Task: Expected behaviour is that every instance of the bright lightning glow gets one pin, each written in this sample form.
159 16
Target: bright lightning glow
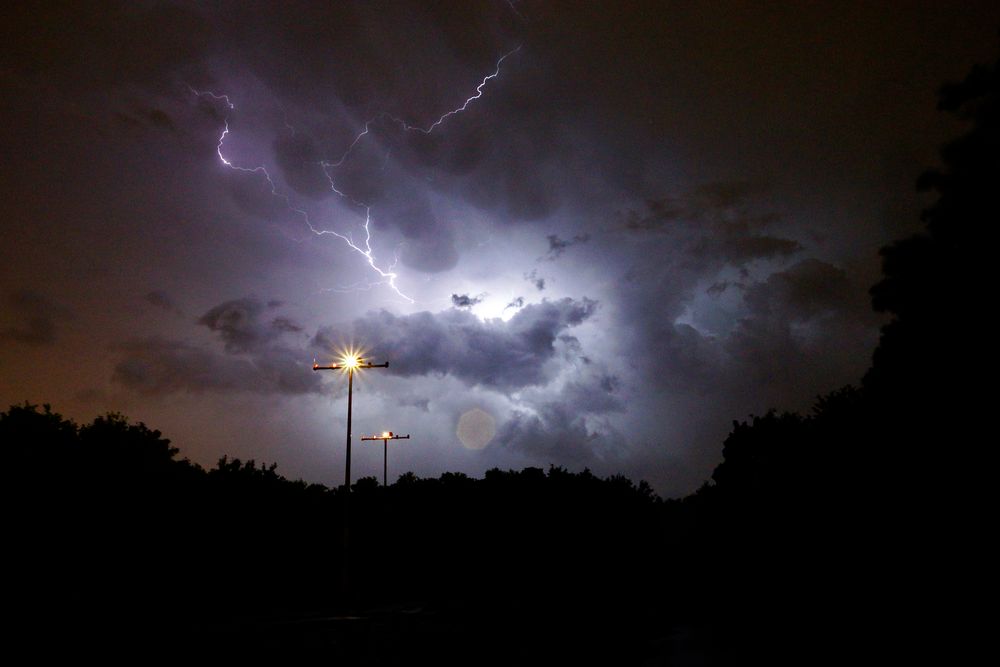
495 307
387 275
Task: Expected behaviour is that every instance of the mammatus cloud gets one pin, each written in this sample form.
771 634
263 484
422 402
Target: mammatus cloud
500 355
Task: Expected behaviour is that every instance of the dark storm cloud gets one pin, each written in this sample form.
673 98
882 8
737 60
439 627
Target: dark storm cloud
35 318
162 300
360 53
418 402
429 243
718 221
725 207
516 303
255 360
555 432
594 393
88 45
501 355
799 332
300 159
254 196
154 366
778 327
160 119
804 324
743 250
144 117
721 286
157 366
465 301
535 280
286 325
558 246
242 326
557 428
808 289
684 243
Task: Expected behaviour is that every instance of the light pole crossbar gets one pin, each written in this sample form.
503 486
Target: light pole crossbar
385 438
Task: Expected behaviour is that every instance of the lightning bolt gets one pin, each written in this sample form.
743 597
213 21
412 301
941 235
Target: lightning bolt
408 127
388 275
479 93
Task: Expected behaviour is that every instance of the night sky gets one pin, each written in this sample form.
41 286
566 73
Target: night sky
598 232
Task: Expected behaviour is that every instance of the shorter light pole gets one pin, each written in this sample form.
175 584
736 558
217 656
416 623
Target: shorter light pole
385 438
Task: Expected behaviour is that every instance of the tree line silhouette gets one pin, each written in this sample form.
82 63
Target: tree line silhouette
850 526
107 517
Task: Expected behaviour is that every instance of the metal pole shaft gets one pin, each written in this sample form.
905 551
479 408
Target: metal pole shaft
385 460
350 396
346 576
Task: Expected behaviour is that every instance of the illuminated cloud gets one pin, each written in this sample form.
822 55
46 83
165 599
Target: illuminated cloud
504 355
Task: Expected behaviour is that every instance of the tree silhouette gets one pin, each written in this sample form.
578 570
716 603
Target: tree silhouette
935 286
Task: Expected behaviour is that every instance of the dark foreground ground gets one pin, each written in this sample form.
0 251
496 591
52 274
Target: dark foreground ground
399 635
455 636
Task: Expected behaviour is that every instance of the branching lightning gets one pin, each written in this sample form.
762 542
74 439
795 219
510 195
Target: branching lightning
387 275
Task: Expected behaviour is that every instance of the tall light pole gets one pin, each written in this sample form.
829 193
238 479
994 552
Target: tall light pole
350 362
385 438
